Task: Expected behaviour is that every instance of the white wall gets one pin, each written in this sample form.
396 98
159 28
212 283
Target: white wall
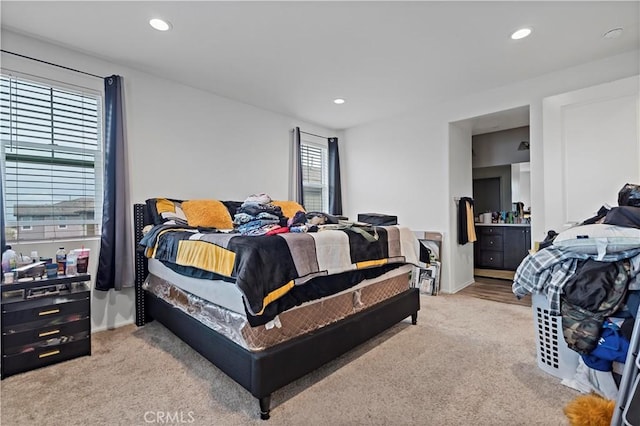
390 168
404 163
460 185
183 142
602 119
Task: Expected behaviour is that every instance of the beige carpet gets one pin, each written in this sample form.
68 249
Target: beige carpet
467 362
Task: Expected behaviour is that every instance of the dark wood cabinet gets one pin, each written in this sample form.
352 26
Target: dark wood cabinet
44 322
517 242
501 247
489 247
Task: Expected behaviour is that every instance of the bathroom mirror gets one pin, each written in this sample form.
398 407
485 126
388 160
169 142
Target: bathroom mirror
496 188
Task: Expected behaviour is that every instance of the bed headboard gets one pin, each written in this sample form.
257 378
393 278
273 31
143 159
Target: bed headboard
141 218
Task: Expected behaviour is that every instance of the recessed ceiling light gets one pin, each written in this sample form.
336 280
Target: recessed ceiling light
160 25
521 33
338 101
613 33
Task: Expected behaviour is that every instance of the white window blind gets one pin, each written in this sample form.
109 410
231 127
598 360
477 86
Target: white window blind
315 177
52 160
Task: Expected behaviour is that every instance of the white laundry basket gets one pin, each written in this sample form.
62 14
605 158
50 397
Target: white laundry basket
553 354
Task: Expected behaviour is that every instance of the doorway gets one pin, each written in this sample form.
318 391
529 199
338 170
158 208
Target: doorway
498 152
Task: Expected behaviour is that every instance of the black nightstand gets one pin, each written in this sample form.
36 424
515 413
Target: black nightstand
44 322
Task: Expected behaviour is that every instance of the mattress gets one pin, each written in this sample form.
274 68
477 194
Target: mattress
292 323
226 294
222 293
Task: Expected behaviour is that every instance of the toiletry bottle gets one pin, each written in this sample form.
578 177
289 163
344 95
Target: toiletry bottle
9 260
61 260
71 264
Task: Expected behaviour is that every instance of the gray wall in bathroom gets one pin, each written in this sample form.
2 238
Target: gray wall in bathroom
499 148
504 174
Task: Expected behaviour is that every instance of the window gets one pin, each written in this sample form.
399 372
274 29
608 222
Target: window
51 142
315 176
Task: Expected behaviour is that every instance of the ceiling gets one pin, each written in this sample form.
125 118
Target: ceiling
384 58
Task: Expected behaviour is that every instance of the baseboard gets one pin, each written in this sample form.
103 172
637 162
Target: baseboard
463 286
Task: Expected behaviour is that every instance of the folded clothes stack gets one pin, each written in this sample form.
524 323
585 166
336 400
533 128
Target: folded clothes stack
258 216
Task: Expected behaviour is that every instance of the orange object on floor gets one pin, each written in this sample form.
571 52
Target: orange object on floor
590 410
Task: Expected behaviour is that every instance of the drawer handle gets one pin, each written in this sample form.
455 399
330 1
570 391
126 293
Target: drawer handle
46 354
52 311
48 333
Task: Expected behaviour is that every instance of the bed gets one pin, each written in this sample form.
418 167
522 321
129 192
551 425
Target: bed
266 340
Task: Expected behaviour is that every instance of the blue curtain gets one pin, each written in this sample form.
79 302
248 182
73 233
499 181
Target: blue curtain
115 262
335 187
298 189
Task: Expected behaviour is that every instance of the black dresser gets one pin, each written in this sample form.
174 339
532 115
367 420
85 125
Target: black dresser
44 322
501 246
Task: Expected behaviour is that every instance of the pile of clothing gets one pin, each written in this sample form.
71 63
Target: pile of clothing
298 223
257 216
591 277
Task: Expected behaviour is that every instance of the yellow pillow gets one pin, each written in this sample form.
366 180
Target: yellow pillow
207 213
289 208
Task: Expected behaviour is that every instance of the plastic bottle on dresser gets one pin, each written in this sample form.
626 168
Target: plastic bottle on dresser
9 260
61 260
71 265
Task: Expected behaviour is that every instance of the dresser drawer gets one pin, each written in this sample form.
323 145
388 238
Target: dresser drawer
491 259
17 313
491 242
12 341
490 230
13 364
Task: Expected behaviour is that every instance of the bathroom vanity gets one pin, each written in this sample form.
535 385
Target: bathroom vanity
501 246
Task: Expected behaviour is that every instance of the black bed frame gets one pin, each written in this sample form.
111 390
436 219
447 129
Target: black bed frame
263 372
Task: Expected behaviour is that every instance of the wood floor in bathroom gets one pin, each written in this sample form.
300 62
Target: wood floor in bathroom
496 289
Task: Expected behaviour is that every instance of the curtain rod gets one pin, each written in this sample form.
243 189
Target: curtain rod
51 63
311 134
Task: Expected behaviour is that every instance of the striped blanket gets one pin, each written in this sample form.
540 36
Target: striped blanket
267 267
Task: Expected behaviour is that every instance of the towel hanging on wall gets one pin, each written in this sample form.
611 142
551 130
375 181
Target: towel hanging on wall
466 219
